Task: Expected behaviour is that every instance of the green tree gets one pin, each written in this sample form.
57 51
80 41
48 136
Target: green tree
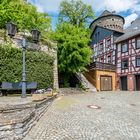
75 12
73 51
73 38
23 14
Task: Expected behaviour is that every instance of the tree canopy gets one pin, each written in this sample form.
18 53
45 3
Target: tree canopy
73 51
75 12
23 14
73 37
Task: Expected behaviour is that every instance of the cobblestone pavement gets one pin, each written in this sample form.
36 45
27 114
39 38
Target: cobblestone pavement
69 118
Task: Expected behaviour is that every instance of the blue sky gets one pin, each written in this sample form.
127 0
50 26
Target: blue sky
129 9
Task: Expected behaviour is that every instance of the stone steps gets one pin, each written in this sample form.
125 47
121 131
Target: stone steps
86 84
17 120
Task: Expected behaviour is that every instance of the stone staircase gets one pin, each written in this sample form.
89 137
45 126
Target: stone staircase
86 84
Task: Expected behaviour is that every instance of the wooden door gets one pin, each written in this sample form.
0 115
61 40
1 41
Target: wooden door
124 82
106 83
138 82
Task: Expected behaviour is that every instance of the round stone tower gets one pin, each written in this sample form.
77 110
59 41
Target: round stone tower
109 20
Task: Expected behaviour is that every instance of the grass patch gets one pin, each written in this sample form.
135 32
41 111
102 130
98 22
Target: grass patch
65 103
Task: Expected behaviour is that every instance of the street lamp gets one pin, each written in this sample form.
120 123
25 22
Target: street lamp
35 35
12 29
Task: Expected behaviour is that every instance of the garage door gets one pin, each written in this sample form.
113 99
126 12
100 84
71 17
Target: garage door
106 83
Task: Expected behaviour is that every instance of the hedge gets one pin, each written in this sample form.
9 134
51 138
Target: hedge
39 66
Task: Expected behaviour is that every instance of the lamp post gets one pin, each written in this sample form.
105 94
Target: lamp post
23 68
12 30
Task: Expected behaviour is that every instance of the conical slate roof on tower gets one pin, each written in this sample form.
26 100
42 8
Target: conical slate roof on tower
105 13
109 20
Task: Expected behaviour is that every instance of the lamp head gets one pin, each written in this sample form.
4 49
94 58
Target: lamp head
35 35
11 28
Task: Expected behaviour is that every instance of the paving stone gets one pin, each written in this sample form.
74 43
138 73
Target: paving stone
69 118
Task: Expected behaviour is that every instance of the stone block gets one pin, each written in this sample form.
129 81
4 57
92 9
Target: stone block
38 97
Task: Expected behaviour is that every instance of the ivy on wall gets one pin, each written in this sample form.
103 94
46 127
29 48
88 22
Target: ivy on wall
39 66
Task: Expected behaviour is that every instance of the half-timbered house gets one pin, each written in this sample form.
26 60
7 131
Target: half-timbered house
128 58
102 44
105 30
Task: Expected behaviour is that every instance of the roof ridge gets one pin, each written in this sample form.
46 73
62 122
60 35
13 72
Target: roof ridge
105 12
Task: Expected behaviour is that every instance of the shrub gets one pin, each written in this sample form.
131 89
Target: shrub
39 66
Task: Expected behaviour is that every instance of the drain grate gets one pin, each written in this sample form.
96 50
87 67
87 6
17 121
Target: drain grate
133 104
94 107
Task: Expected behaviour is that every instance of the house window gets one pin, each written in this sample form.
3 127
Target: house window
109 59
124 47
125 64
138 61
95 35
138 43
108 42
101 46
102 60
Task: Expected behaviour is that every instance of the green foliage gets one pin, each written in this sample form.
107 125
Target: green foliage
73 38
75 12
39 66
73 51
23 14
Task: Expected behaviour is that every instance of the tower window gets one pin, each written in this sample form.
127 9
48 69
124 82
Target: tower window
95 35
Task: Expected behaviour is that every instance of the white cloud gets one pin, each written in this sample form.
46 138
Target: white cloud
129 19
136 8
117 5
52 6
98 5
40 8
120 6
47 5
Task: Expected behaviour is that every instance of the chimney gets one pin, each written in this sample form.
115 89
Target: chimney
114 12
132 22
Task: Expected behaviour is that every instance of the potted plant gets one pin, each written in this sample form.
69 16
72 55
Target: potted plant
38 95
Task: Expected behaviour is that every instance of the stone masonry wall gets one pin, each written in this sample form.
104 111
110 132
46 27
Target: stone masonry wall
17 120
17 41
110 22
